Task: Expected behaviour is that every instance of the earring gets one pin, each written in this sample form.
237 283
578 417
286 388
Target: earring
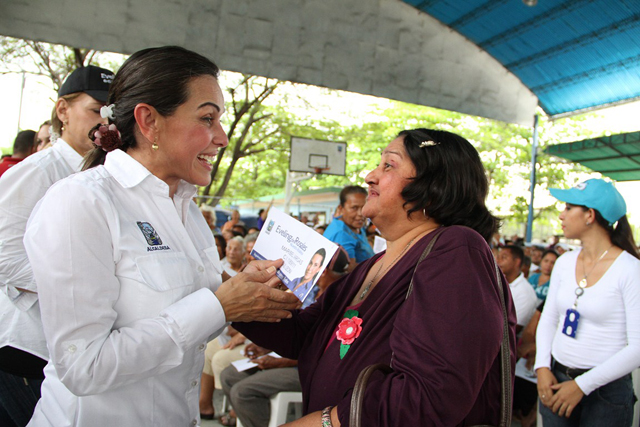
588 223
424 211
155 143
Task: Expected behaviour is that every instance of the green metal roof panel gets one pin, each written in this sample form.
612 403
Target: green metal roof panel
616 156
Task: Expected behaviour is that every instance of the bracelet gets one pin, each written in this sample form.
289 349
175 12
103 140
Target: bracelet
326 417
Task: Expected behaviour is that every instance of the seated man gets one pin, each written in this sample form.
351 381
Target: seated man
347 229
249 391
524 297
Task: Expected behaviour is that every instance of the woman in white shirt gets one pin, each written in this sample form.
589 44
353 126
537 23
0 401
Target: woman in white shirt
588 338
128 271
23 350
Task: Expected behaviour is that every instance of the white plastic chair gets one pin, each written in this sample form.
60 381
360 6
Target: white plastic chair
280 407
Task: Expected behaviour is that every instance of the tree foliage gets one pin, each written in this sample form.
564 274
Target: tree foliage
260 126
53 61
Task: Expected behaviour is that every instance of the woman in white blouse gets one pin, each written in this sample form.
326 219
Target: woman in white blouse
588 338
23 349
130 282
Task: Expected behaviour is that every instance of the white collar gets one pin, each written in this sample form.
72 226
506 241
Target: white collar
130 173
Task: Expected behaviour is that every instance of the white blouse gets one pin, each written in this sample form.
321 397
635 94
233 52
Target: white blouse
21 187
608 333
125 277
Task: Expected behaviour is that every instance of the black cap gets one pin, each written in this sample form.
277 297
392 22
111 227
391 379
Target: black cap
92 80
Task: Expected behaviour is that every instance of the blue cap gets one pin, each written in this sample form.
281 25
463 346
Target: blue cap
596 194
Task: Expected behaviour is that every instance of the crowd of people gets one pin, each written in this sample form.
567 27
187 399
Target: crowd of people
124 304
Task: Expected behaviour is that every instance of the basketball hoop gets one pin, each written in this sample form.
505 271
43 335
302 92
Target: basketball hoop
314 157
319 170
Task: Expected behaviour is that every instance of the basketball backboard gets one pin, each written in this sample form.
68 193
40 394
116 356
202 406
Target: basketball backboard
316 156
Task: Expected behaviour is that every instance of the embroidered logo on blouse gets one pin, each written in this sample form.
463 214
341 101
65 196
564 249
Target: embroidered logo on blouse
149 233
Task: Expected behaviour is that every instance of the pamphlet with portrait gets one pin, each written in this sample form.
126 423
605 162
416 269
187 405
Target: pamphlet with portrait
305 252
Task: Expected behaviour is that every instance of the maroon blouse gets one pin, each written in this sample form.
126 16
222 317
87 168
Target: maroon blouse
445 338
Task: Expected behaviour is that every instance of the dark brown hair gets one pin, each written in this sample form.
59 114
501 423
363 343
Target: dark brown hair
157 76
450 183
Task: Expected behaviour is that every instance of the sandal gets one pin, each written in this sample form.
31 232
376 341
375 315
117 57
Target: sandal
227 420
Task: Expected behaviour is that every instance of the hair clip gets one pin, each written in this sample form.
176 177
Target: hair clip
107 112
428 144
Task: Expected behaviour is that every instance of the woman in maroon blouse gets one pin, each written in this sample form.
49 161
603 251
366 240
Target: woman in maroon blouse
443 342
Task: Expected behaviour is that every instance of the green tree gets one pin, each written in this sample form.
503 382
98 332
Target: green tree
260 122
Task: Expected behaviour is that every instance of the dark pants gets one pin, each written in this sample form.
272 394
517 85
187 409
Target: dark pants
18 399
608 406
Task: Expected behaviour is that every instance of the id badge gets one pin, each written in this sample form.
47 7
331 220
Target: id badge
571 323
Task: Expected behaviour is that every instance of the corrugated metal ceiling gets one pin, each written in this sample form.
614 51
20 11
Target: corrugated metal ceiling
574 55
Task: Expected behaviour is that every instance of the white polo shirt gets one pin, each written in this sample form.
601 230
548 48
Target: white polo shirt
21 187
125 276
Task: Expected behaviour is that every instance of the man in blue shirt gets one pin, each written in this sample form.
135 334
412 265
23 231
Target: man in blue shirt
348 228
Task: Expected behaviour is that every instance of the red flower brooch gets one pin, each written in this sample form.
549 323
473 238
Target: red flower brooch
348 330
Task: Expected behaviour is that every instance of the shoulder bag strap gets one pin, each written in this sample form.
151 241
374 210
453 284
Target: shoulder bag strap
426 252
357 397
355 413
505 356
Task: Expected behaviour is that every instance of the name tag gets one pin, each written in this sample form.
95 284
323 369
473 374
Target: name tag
571 323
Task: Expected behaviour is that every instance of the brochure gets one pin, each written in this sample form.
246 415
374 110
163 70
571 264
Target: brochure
305 252
245 364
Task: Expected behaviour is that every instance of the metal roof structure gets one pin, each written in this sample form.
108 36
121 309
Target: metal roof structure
489 58
616 156
574 55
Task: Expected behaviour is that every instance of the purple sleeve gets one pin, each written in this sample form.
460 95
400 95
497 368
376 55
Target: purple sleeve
446 339
287 336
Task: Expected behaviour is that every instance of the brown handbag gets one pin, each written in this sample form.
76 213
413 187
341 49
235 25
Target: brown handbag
355 415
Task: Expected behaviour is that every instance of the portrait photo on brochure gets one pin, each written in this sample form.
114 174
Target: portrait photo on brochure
305 252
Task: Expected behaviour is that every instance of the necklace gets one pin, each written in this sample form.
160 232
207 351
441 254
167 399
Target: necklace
368 287
582 284
572 317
